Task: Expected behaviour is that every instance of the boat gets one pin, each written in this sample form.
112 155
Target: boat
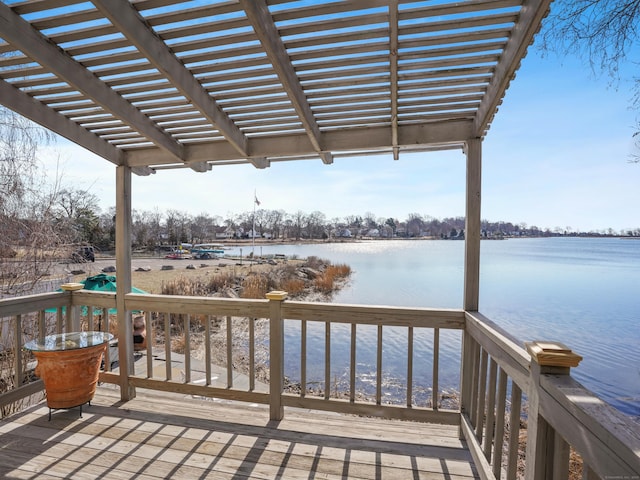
178 254
205 251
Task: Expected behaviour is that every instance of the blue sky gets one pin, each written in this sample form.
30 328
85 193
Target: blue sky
557 155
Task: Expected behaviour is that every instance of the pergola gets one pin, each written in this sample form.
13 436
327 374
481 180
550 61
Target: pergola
158 84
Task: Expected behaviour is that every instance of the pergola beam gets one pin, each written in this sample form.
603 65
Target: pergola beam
417 136
258 14
28 107
531 15
31 42
127 19
260 162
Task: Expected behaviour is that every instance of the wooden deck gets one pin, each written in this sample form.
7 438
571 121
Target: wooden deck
173 436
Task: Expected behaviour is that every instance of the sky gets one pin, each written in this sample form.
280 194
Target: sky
556 156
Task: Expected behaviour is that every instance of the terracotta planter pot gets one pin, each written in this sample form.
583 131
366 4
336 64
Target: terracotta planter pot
70 376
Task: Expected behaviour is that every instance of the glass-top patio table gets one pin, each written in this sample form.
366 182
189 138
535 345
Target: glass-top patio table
69 366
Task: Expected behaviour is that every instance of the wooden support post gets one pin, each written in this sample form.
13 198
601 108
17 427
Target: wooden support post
472 225
551 358
73 311
123 279
276 354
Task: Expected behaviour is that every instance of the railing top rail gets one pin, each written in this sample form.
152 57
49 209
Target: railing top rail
33 303
503 348
605 437
95 299
374 315
197 305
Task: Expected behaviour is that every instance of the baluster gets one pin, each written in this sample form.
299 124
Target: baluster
475 366
107 321
327 360
68 321
187 349
229 353
465 375
303 358
149 332
42 325
409 367
167 344
491 405
352 367
207 350
435 388
59 320
482 390
560 457
105 328
252 354
18 349
500 416
514 431
379 368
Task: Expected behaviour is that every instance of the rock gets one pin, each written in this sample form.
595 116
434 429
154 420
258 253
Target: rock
77 272
191 266
143 269
203 265
231 293
166 267
310 273
109 269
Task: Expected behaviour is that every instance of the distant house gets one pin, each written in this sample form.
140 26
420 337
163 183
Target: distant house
222 233
344 233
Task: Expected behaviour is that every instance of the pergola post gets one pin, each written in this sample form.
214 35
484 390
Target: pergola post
123 276
473 151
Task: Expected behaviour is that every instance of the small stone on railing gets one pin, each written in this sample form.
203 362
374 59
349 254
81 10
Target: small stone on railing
552 354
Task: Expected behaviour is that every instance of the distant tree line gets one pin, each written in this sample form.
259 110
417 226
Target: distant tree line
79 218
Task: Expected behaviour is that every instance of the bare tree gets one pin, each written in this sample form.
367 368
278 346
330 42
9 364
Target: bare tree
603 32
298 220
29 240
203 228
274 222
415 224
315 224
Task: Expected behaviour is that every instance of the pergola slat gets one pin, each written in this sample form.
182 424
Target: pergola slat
228 81
265 28
128 21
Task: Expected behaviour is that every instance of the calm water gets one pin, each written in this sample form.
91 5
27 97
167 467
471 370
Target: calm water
583 292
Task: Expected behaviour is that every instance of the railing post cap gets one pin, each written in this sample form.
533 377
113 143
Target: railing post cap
277 295
552 354
71 286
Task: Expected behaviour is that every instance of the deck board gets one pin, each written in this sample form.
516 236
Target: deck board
160 435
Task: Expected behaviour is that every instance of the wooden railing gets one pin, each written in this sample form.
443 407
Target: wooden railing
511 407
270 316
515 408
